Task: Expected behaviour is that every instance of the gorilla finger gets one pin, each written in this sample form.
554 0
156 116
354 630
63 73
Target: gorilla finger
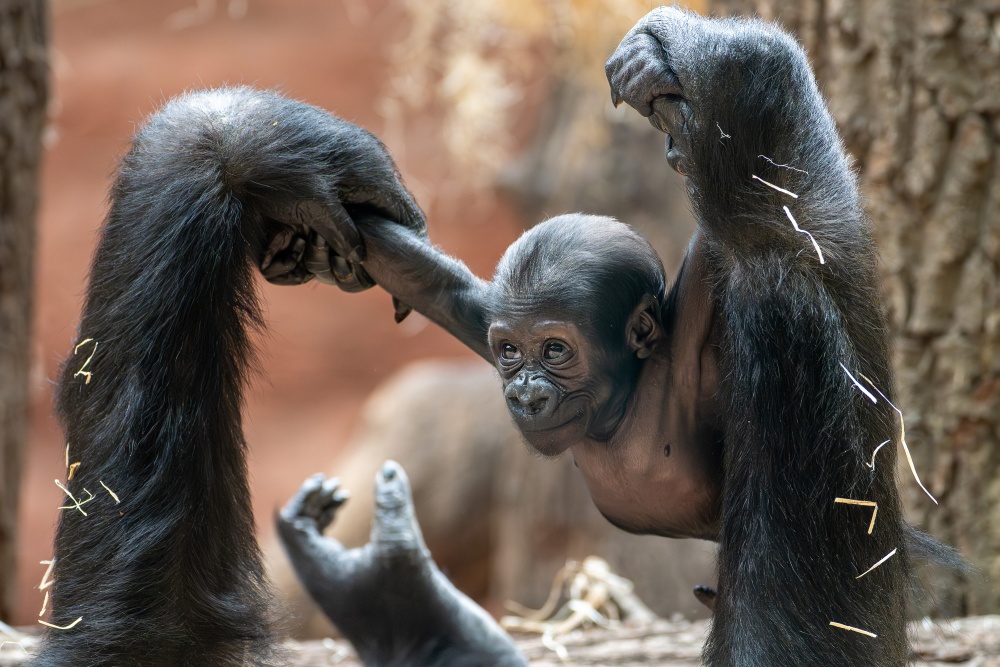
400 310
343 272
297 504
330 486
331 495
638 73
401 208
672 113
292 276
623 86
330 509
317 260
318 497
279 242
285 267
340 497
313 484
333 223
350 277
624 67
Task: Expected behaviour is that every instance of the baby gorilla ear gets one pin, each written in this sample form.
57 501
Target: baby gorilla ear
643 329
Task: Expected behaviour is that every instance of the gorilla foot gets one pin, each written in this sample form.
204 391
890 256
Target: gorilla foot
388 597
316 502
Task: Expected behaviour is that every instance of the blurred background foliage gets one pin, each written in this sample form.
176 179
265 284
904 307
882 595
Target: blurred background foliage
475 59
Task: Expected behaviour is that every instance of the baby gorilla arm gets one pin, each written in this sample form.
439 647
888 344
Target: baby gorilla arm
438 286
388 597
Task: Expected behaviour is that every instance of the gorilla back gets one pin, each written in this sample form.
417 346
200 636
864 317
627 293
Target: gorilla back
156 554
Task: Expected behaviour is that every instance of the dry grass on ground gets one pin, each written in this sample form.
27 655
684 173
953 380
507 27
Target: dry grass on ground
965 642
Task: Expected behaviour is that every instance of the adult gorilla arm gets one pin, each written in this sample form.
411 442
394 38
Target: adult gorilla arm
747 125
164 569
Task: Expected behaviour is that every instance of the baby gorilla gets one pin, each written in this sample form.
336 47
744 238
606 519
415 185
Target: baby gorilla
595 357
388 597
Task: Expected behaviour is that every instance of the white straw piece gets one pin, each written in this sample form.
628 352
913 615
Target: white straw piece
902 440
884 559
853 629
775 187
802 231
860 386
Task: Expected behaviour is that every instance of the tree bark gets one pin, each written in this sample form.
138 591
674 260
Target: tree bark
915 87
23 95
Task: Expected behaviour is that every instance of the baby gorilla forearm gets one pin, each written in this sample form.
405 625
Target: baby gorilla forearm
433 283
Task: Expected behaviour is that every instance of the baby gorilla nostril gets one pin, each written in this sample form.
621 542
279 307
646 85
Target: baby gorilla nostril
537 405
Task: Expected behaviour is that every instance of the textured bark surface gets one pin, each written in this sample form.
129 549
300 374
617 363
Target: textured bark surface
23 74
915 88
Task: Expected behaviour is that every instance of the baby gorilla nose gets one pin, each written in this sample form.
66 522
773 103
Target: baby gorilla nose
531 396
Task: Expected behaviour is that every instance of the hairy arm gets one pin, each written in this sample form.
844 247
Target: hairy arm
435 284
748 127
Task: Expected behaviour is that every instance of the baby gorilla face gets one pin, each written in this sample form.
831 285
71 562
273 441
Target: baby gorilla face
553 384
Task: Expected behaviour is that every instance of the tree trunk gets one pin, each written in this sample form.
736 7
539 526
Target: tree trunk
23 94
915 88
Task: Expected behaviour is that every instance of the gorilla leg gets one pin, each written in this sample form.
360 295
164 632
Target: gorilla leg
388 597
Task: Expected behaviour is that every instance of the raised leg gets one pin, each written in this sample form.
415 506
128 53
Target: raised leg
388 597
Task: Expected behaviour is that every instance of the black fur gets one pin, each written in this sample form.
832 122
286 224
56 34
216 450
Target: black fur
172 575
798 432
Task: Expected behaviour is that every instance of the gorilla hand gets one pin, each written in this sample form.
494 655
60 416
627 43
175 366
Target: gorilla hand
647 72
388 597
303 173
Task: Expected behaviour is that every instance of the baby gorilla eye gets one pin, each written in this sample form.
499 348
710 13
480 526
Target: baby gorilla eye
555 351
509 352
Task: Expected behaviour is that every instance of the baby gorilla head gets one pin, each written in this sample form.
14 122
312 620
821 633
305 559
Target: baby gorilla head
575 306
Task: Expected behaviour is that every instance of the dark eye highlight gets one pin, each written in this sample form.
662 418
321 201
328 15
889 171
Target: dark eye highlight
555 350
509 352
